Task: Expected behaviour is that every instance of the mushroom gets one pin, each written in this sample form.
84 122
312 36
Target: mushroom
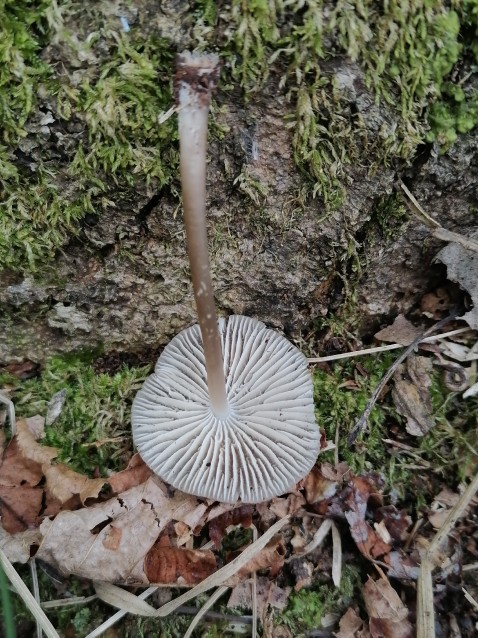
228 413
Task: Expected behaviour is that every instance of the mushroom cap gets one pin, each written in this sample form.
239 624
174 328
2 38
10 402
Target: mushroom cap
262 448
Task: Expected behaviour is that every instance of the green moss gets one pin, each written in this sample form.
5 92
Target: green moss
341 396
406 49
121 108
307 607
23 31
97 408
119 102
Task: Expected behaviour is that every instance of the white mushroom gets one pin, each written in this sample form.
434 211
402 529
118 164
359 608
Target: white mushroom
228 413
267 442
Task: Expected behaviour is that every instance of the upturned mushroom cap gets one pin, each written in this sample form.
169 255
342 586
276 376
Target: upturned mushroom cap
262 448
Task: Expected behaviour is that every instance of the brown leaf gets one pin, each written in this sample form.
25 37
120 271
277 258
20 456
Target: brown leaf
411 394
401 331
396 521
356 497
63 483
28 446
23 369
435 304
20 507
402 566
174 564
352 626
136 473
388 615
15 469
110 540
317 487
239 516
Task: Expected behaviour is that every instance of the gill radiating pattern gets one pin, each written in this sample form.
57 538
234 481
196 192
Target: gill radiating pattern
267 442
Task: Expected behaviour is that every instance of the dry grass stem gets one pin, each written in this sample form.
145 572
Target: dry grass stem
378 349
470 568
453 516
255 536
36 592
68 602
207 605
470 598
317 540
425 607
101 629
336 555
27 597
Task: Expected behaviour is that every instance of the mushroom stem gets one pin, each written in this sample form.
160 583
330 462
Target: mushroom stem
195 79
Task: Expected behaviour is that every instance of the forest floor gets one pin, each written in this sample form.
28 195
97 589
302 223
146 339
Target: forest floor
383 499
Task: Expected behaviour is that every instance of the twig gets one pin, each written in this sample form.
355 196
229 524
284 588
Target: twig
361 424
392 346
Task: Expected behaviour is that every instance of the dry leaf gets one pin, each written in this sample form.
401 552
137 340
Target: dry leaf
356 497
286 506
28 446
411 394
238 516
272 557
388 615
17 546
317 487
136 473
401 331
15 469
111 539
434 304
173 565
20 507
64 484
462 268
352 626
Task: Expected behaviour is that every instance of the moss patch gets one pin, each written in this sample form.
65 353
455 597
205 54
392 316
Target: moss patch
74 140
93 430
